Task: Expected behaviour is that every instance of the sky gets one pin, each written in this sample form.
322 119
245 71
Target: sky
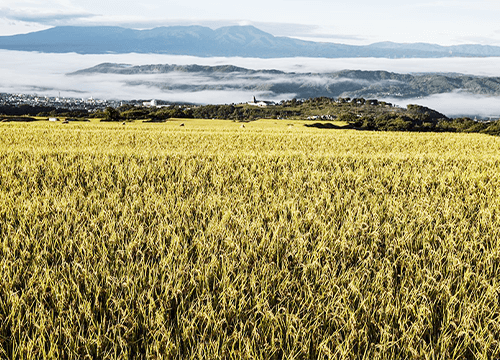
444 22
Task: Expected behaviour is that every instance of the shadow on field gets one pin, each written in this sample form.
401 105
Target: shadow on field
19 119
328 126
154 120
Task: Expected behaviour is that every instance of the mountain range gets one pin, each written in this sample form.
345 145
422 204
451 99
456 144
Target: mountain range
242 41
275 83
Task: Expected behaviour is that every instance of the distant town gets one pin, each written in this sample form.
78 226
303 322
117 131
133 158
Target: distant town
66 103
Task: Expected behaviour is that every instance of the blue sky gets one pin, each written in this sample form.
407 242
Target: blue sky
444 22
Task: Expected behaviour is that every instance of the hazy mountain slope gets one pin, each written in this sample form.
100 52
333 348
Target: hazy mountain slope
245 41
469 50
352 83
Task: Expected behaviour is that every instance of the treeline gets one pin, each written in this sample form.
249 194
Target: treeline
395 122
422 119
228 112
131 112
287 109
356 113
23 110
41 111
376 115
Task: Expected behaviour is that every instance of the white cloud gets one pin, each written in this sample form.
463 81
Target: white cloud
481 5
45 74
43 16
49 12
457 104
13 27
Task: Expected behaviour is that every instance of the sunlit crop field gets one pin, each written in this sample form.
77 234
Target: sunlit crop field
268 241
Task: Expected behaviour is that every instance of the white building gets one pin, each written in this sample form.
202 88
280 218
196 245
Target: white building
152 103
261 103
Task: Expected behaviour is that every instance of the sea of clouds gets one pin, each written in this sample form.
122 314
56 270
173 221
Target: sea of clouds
46 74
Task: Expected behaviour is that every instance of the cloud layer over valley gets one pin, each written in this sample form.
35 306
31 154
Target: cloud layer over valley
45 74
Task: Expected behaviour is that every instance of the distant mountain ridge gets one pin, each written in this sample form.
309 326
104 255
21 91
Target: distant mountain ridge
351 83
126 69
243 41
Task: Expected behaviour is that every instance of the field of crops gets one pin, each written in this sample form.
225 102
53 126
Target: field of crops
268 241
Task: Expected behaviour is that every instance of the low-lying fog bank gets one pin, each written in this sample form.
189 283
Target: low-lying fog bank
45 74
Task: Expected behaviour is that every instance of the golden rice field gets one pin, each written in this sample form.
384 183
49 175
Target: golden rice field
214 241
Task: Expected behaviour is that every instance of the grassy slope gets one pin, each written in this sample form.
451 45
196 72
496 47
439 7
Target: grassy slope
270 241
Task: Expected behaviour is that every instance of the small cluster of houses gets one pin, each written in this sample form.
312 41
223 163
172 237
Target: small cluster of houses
58 102
322 117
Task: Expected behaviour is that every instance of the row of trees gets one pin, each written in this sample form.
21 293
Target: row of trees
229 112
358 113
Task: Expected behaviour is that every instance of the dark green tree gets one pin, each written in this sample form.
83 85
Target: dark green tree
111 114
